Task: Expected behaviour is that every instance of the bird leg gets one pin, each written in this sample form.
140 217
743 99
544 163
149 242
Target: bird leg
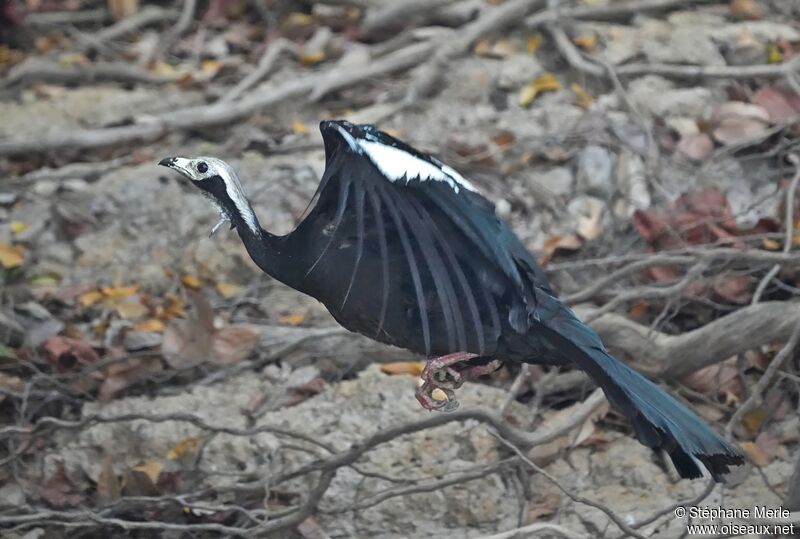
440 373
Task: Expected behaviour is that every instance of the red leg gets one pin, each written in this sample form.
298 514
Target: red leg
440 374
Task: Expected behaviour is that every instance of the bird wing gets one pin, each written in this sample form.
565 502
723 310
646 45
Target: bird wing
394 211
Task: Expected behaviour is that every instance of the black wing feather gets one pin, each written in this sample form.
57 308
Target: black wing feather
412 265
360 197
454 324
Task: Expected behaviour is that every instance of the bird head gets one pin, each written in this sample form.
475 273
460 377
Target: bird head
217 180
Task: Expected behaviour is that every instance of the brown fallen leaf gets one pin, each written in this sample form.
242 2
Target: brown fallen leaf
292 319
754 454
556 242
11 256
733 288
543 453
151 325
779 103
718 379
413 368
191 281
228 290
183 447
87 299
66 353
120 9
585 99
233 344
696 147
121 375
746 9
108 487
533 43
545 83
59 491
586 42
142 480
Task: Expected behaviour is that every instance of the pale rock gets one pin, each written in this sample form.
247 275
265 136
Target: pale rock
595 170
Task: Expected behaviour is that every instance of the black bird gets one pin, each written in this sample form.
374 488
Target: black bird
401 248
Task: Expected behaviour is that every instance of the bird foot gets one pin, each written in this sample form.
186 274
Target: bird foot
439 379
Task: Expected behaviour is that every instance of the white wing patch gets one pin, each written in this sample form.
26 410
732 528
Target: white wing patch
397 164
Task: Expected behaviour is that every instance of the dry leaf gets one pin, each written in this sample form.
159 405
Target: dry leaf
191 281
151 469
746 9
233 344
17 226
117 293
778 102
66 353
59 491
108 488
754 454
299 128
120 9
753 420
590 225
774 54
183 447
545 83
123 375
210 67
570 242
638 310
312 57
151 325
571 439
584 97
502 48
587 42
413 368
696 147
11 256
131 310
534 42
89 298
292 319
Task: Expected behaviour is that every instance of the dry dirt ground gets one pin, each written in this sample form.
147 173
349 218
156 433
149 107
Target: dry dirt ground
208 419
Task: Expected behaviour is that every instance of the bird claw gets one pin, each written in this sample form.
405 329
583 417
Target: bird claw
439 374
424 395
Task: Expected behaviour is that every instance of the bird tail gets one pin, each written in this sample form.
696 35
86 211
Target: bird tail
659 421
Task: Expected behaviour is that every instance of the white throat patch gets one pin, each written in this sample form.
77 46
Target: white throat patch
396 163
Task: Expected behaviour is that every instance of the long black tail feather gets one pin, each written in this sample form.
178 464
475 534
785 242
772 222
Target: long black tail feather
659 421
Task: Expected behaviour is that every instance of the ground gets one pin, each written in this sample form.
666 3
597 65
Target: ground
155 382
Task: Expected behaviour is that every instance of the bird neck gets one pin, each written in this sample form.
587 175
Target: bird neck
263 247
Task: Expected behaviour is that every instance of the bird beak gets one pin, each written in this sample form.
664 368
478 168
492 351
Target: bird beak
177 163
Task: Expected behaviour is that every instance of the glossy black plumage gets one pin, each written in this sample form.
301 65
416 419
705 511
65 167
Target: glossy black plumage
421 261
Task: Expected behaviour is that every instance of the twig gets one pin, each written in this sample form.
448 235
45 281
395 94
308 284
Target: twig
615 11
574 497
271 55
491 20
399 13
675 356
56 18
145 17
465 476
521 438
154 127
766 379
396 61
41 70
650 292
579 61
535 529
788 223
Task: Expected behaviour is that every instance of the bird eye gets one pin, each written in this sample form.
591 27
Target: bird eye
202 167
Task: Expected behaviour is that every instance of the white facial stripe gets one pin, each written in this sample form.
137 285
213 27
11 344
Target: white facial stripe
396 164
233 188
